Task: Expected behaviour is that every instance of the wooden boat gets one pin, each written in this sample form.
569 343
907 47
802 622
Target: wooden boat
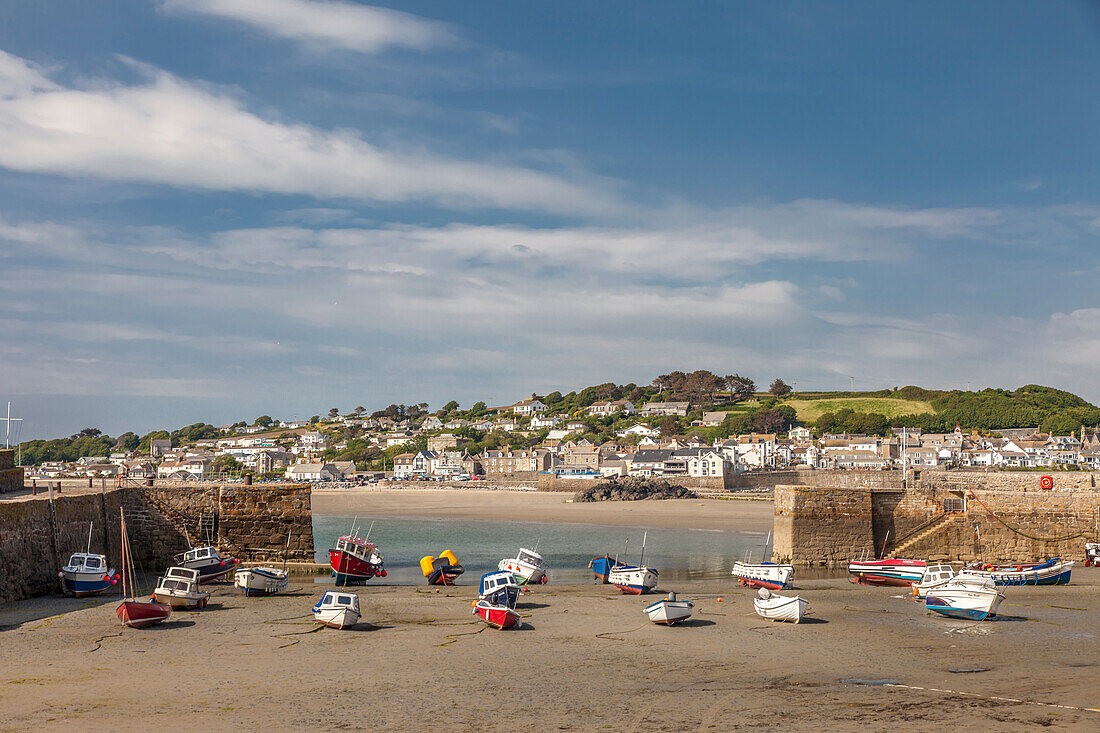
263 580
1092 554
763 575
934 576
499 588
965 596
669 611
179 588
601 566
206 560
892 571
500 617
337 610
132 612
86 573
1054 571
526 566
779 608
355 560
442 570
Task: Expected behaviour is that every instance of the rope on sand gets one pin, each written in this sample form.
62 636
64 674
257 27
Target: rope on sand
992 697
99 642
607 635
452 638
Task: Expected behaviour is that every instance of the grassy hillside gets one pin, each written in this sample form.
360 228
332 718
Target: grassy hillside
811 410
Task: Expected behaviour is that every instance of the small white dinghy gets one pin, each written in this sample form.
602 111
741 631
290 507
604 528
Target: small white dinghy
337 610
779 608
669 610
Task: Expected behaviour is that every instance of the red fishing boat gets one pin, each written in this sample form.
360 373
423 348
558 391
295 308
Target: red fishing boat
354 560
132 612
500 617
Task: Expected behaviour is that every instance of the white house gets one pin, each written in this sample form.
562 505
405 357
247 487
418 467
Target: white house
544 421
528 407
800 433
639 429
708 464
610 408
312 472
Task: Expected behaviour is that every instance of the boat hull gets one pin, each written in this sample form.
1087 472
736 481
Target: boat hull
637 581
211 571
962 603
781 608
183 602
351 570
763 575
499 617
669 612
261 581
893 572
1051 572
445 576
339 618
88 584
602 566
524 573
140 614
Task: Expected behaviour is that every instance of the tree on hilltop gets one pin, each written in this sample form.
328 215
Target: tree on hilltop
742 388
333 412
780 388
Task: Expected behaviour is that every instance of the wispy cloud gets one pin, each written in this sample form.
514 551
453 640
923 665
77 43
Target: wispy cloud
325 23
166 130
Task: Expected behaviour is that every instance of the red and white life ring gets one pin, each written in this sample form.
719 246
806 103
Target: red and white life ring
1046 482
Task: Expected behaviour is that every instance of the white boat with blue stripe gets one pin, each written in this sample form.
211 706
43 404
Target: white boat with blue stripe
87 574
965 596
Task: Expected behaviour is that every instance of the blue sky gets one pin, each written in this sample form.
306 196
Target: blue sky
215 209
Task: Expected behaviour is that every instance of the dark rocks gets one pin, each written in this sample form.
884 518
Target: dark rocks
633 489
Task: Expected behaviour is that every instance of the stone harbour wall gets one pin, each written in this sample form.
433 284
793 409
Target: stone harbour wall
830 525
37 536
550 482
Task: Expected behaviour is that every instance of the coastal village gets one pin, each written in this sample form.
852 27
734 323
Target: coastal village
651 439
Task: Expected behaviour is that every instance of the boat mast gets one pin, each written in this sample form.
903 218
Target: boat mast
89 550
369 530
764 558
641 558
286 551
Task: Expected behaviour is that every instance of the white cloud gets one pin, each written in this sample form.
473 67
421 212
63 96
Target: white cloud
168 131
325 23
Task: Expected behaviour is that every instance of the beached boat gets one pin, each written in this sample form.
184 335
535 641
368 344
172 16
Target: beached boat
1092 554
179 588
87 574
934 576
442 570
892 571
354 560
526 566
500 617
633 579
206 560
668 611
261 581
264 580
965 596
337 610
499 588
1054 571
601 566
763 575
132 612
779 608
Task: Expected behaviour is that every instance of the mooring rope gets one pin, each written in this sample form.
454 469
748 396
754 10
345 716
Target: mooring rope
1020 532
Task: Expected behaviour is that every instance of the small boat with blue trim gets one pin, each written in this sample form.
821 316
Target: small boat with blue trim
442 570
261 581
499 588
87 574
1054 571
892 571
637 579
763 575
337 610
669 611
601 566
965 596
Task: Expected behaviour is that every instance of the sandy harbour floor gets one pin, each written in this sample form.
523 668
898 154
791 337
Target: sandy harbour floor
869 659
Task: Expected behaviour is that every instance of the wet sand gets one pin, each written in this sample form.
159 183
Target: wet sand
545 506
587 659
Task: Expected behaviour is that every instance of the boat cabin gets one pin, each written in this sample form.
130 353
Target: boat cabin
937 574
83 562
530 557
200 554
186 574
493 581
336 599
365 551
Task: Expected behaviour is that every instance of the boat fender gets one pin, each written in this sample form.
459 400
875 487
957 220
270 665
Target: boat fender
60 574
383 574
719 599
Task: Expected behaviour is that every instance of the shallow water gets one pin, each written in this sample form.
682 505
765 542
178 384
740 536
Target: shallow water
678 554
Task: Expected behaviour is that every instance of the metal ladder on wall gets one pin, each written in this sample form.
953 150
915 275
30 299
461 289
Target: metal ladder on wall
208 526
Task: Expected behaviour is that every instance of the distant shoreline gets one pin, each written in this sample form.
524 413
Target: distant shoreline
504 504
